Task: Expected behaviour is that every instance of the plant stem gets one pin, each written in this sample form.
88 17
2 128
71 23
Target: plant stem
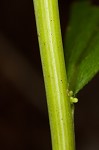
54 71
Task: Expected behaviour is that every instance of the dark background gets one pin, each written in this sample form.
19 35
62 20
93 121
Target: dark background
24 121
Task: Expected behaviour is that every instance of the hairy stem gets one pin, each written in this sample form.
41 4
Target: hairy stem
54 71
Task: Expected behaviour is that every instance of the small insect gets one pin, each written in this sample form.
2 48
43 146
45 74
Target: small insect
72 99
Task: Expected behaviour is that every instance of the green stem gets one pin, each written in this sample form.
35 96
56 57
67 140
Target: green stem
54 71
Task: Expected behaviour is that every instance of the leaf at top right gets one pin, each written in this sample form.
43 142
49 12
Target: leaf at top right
82 45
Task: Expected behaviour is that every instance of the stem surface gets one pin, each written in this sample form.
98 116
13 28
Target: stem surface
54 71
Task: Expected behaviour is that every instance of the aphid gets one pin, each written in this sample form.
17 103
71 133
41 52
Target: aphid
72 99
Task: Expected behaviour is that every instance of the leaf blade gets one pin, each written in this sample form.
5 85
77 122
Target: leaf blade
81 43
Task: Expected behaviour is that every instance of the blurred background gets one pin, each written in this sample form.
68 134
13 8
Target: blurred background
24 123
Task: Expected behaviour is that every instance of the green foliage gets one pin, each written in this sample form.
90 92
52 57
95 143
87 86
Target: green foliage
82 45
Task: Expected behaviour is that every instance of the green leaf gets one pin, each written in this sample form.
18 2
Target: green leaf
82 45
